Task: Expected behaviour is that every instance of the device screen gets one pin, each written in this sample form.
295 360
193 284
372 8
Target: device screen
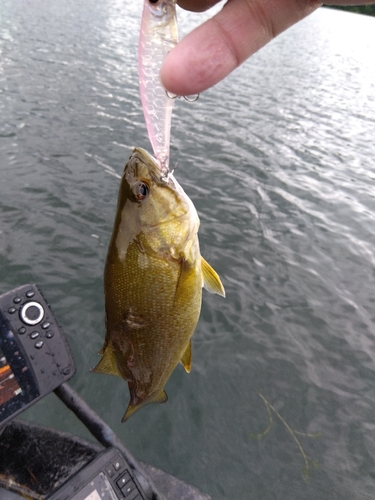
98 489
9 386
18 386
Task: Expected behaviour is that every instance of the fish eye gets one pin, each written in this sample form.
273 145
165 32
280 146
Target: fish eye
141 190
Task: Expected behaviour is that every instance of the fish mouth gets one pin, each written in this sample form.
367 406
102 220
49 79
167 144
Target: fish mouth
163 180
161 177
151 163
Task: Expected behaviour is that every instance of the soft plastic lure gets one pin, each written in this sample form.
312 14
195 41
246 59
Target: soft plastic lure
159 34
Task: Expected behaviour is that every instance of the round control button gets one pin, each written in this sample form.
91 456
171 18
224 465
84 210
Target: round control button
32 313
17 300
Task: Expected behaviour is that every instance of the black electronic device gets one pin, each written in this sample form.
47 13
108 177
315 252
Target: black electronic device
35 360
108 477
34 356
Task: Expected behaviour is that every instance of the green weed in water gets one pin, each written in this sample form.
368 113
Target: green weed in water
306 470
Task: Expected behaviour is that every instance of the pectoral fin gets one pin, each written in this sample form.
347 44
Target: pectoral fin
186 358
211 280
131 409
107 364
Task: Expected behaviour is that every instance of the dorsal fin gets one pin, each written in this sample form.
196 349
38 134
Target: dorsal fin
211 280
107 364
186 358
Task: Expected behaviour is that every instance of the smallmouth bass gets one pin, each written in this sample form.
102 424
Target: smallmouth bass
153 281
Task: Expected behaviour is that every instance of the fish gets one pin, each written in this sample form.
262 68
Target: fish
153 279
158 36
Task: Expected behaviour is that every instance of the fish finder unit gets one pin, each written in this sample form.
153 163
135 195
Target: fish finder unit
35 360
106 478
34 356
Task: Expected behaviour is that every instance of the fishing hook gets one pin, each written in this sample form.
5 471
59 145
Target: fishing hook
188 98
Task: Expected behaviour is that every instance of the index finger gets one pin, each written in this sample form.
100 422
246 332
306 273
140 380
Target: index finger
197 5
214 49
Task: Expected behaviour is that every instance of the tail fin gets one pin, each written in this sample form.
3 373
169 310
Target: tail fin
131 409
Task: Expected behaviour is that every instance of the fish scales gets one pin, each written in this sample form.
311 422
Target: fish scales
153 282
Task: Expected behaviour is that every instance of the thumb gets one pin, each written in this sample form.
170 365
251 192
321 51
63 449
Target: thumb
214 49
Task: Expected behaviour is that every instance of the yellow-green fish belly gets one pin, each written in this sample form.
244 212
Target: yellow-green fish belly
153 306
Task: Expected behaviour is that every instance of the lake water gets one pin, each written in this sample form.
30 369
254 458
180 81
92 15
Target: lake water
279 162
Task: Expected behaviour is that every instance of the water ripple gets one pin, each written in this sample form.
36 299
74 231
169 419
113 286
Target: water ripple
278 161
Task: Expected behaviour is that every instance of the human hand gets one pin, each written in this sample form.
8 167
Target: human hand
214 49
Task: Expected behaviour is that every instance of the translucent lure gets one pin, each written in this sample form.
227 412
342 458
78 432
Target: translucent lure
158 36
